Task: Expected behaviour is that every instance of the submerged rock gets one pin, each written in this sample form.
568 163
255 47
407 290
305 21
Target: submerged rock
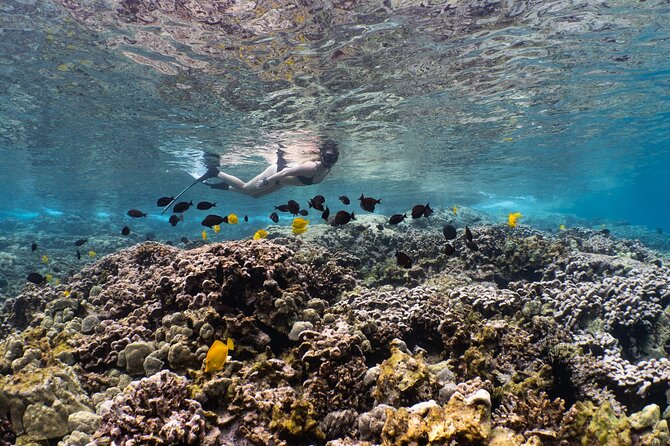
42 422
89 323
39 401
84 421
299 327
456 422
403 380
135 355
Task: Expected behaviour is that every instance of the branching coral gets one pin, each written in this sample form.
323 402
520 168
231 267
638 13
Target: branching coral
532 411
154 411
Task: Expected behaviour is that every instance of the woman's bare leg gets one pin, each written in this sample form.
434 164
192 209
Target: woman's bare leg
232 181
271 170
248 188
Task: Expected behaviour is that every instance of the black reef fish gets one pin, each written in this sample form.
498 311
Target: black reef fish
274 217
316 205
182 206
33 247
125 230
282 208
326 214
78 255
472 246
449 231
80 242
174 219
368 203
419 210
246 218
212 220
136 214
468 234
204 205
342 218
164 201
344 199
403 259
449 249
317 202
184 240
303 212
397 218
36 278
293 207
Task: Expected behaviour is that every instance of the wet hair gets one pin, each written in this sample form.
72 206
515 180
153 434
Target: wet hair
329 152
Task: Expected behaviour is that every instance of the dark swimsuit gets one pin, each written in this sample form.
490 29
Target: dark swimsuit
306 180
281 162
281 165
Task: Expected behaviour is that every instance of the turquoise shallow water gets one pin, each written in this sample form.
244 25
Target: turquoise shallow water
547 108
453 325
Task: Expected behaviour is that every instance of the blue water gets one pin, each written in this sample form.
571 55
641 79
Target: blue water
547 108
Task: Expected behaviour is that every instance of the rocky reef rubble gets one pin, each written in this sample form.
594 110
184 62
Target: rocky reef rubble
530 340
153 408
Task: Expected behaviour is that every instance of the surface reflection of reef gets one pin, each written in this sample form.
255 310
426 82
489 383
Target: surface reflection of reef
337 56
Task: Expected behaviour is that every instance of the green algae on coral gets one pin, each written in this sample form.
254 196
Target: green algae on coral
457 422
602 426
606 428
538 380
403 379
296 420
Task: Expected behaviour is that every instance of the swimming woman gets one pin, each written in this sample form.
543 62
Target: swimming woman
277 175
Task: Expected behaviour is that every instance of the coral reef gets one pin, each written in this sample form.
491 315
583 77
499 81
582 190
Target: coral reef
532 339
154 410
461 421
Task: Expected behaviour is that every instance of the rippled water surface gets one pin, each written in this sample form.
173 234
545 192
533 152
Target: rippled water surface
558 106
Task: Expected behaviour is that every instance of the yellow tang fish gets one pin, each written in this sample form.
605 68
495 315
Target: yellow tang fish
299 223
45 258
299 230
261 233
49 277
217 355
508 139
232 219
216 228
454 210
92 254
512 218
562 227
66 293
204 235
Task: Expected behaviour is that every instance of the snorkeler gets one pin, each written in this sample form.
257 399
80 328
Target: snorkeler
277 175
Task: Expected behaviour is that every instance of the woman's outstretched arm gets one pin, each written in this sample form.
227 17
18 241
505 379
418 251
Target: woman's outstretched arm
307 169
